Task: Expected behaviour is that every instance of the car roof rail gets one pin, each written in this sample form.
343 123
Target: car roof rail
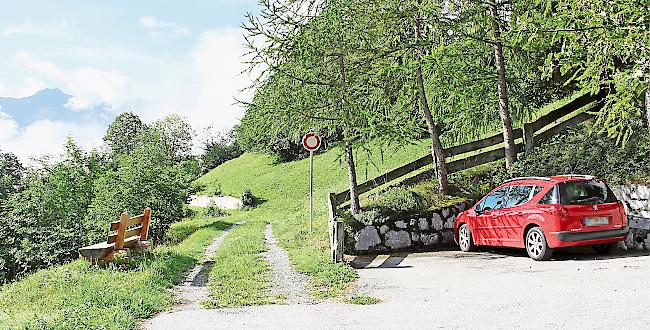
578 176
529 178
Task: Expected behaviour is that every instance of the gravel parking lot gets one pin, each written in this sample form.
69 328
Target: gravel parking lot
451 289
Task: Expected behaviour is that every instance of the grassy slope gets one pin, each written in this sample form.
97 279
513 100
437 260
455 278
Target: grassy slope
284 192
77 296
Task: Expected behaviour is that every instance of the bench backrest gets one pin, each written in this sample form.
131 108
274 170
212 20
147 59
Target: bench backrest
127 228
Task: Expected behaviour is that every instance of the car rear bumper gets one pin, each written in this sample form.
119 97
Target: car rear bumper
566 236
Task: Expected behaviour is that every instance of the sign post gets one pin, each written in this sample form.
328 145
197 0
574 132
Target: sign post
311 142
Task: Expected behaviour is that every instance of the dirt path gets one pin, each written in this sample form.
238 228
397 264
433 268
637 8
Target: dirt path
451 289
194 290
224 202
287 285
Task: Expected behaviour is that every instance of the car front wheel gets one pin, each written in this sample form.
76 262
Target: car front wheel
536 245
465 240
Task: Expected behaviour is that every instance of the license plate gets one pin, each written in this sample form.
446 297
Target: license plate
596 221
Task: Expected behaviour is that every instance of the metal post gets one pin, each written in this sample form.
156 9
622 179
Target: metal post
311 186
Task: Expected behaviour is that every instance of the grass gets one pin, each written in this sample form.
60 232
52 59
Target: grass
239 275
283 192
362 299
78 296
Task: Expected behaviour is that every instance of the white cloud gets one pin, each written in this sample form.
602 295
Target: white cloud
8 127
89 86
57 28
160 28
49 137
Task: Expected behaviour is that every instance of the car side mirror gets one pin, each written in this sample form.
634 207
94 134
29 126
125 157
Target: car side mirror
478 211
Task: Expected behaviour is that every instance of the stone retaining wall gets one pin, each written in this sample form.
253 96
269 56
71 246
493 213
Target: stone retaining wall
637 204
422 232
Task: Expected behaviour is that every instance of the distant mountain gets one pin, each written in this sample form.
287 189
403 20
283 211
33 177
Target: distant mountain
49 104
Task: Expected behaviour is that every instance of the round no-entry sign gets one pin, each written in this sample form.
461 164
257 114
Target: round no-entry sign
311 141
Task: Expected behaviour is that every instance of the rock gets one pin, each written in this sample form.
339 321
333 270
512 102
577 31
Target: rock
413 222
415 237
383 229
366 238
400 224
436 221
450 222
445 212
447 237
461 207
430 239
398 239
423 224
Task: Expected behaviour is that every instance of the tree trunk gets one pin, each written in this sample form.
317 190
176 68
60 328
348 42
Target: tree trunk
504 112
349 156
647 106
437 152
352 176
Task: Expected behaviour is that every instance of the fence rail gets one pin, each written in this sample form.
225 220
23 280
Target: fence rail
527 132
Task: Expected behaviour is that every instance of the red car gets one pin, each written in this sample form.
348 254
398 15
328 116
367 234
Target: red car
541 214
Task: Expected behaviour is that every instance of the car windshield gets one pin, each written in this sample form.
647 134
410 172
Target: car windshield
587 192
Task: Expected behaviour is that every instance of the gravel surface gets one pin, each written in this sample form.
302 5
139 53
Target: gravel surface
287 285
224 202
193 290
450 289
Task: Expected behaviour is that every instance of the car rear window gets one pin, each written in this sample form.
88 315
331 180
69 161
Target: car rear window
586 192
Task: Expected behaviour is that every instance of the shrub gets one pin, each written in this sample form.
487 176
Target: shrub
216 189
213 211
247 198
370 217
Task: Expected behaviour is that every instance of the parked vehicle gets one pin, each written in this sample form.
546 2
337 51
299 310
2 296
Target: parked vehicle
541 214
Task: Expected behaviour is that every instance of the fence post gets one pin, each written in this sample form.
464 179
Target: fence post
528 136
336 230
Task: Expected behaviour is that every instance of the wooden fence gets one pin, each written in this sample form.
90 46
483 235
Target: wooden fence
530 133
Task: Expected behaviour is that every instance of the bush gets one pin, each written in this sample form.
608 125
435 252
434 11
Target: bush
45 223
247 198
216 189
370 217
213 211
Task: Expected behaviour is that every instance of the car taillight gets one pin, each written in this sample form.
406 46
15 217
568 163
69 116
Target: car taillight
560 212
621 210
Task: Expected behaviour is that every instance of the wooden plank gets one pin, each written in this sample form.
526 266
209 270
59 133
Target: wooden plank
479 144
127 233
566 109
344 196
146 220
129 223
559 127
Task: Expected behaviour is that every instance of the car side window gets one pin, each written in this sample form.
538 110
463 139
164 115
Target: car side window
550 197
518 195
493 201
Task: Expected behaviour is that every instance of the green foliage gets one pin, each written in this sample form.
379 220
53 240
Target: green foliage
122 135
590 153
213 211
362 299
216 189
218 150
175 137
143 180
370 217
11 171
247 198
79 296
45 223
406 200
596 43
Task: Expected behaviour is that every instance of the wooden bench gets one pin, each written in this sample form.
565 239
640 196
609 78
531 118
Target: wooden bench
129 233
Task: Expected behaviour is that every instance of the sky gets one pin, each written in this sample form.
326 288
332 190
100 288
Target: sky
150 57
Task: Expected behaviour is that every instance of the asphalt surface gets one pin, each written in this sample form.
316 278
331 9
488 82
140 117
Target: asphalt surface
499 289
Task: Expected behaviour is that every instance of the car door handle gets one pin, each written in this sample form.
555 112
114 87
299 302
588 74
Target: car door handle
516 213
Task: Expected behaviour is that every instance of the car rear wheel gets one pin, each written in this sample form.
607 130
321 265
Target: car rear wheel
603 248
465 240
536 245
